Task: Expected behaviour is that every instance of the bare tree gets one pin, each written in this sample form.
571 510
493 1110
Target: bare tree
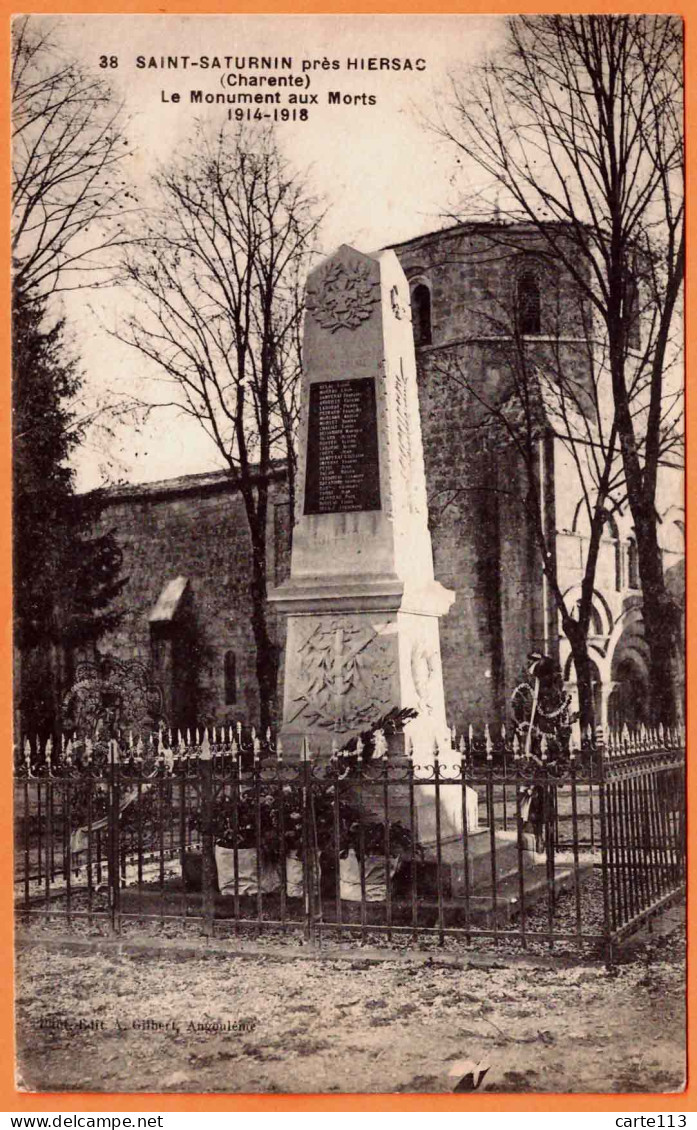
218 276
69 195
577 126
550 404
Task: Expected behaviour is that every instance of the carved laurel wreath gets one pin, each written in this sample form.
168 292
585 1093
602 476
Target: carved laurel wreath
345 297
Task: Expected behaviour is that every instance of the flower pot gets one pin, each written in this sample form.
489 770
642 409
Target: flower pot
247 880
375 878
295 876
192 871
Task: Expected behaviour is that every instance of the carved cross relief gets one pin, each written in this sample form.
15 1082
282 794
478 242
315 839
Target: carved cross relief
344 675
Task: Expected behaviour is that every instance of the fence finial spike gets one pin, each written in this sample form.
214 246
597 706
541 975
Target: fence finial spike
409 746
279 748
488 744
543 747
205 747
516 746
463 747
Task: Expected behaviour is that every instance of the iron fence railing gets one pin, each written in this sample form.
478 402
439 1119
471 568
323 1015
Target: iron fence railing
484 845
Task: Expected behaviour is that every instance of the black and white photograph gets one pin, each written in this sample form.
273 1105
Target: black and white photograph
348 554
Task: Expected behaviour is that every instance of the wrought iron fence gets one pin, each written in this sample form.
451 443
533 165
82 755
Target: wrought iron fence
481 844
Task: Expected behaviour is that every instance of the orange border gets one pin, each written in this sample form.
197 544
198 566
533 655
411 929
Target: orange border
10 1100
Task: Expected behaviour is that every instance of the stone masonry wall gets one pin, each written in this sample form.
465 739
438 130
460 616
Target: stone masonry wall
194 527
483 546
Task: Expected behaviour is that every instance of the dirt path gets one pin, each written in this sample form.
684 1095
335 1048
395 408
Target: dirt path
324 1025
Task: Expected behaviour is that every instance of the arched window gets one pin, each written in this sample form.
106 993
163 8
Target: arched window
528 302
230 668
611 534
633 565
421 314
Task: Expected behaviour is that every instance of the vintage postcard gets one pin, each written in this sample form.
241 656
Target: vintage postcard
349 644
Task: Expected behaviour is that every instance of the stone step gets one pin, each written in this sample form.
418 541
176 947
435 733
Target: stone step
479 859
484 912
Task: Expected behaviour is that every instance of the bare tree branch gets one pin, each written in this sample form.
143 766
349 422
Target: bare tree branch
70 195
218 273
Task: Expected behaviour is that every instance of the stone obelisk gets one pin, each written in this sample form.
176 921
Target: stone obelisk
362 604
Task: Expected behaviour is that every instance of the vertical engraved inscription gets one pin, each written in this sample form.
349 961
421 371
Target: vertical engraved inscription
342 448
404 433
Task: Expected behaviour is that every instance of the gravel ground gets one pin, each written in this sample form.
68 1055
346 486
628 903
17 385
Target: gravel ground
86 1022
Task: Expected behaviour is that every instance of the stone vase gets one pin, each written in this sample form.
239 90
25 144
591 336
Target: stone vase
375 877
295 876
248 881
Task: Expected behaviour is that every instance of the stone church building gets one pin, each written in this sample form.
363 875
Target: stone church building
479 292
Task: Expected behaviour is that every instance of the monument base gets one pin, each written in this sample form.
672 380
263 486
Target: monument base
355 650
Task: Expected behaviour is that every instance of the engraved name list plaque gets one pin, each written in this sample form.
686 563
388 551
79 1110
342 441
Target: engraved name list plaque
342 448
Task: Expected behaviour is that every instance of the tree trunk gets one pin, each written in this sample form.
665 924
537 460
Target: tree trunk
582 665
266 648
661 622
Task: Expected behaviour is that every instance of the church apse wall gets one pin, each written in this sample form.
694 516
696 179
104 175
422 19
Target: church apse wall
465 311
